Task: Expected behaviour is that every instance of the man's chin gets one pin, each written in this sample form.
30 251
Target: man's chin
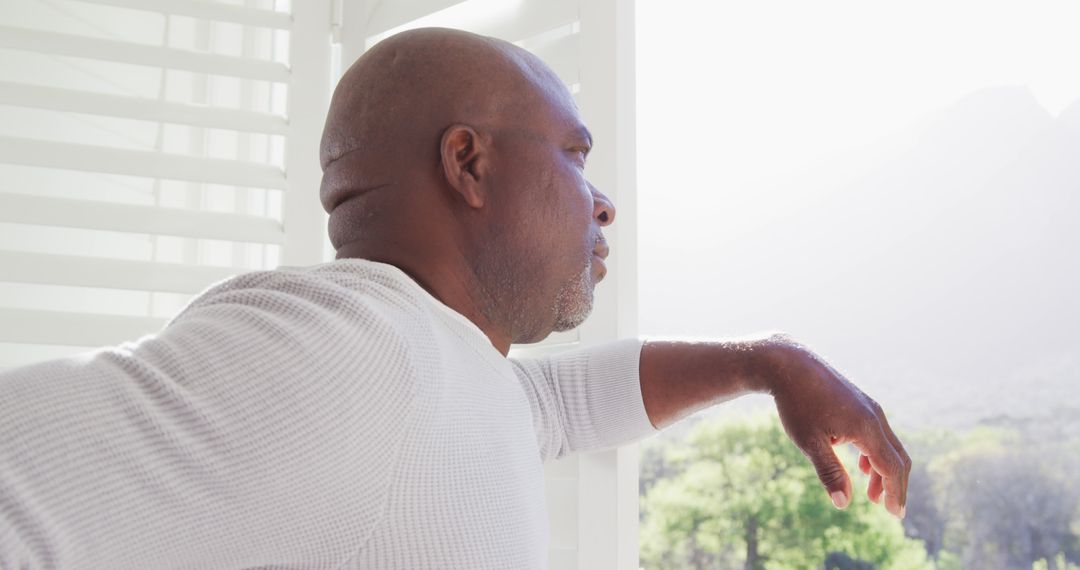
574 319
574 302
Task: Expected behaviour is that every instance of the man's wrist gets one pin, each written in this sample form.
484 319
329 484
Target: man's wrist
679 378
772 355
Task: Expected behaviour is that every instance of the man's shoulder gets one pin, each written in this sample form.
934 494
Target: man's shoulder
342 326
328 317
352 292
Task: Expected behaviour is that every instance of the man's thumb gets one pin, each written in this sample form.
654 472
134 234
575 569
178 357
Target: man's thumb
832 474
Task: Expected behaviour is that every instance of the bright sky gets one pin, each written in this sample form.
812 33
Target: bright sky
770 81
735 92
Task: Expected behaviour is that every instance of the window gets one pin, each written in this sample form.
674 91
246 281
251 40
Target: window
896 187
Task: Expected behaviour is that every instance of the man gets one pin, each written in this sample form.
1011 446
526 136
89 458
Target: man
363 413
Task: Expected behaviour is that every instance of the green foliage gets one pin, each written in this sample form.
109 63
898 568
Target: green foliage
742 496
739 495
1004 495
1059 562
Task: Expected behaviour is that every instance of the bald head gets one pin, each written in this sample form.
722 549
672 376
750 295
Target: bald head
460 159
416 80
391 107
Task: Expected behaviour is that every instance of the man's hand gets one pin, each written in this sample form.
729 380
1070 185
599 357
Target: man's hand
818 407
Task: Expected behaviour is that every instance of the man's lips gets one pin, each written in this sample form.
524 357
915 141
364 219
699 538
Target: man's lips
598 262
600 253
601 250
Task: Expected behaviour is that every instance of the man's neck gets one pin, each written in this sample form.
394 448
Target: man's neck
455 288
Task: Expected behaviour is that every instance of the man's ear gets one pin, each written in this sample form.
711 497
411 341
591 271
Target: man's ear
464 162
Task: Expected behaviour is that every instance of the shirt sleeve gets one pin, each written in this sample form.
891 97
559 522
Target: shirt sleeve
585 399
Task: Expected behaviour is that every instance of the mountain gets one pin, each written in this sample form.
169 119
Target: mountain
946 260
1071 114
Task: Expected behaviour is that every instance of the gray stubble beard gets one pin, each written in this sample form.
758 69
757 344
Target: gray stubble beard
505 284
574 300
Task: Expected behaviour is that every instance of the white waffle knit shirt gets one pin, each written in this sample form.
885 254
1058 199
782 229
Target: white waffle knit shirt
335 416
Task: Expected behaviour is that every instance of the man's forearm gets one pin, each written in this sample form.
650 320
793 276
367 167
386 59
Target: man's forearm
818 407
679 378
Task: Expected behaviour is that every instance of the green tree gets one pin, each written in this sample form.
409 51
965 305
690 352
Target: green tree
742 496
1010 495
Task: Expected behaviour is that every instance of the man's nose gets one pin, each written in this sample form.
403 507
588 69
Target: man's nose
603 209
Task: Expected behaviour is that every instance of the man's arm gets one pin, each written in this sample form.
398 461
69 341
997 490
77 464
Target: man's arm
818 407
585 399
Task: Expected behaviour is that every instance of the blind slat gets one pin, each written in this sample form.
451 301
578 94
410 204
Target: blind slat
129 62
75 101
76 271
49 154
513 22
72 329
562 56
531 19
139 54
389 15
207 11
92 215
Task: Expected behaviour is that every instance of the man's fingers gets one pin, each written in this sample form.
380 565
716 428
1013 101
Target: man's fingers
899 447
831 472
893 470
864 464
905 459
875 488
905 464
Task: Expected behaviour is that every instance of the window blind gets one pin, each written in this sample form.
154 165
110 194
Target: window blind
149 148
